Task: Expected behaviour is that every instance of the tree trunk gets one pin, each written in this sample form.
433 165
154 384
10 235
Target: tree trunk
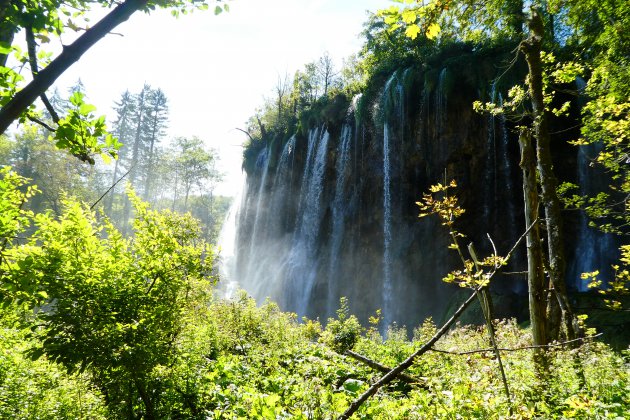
134 156
535 271
146 400
7 31
532 48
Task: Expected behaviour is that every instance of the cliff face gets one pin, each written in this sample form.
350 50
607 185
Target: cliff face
331 211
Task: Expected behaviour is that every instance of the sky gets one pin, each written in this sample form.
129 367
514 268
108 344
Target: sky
216 70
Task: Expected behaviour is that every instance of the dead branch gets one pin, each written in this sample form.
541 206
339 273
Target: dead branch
542 346
110 188
246 132
383 369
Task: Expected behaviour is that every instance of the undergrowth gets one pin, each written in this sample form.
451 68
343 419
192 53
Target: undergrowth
249 362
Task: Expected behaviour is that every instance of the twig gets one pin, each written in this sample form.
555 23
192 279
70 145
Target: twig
541 346
110 188
246 132
40 122
32 58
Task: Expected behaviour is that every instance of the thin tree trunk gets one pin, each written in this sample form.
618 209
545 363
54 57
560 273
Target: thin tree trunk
134 158
7 31
532 48
535 270
146 400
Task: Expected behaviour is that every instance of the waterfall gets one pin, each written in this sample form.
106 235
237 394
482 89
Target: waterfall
387 229
281 189
595 250
228 284
262 162
338 216
302 263
490 174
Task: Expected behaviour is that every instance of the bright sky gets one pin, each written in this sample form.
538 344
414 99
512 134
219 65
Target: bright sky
215 70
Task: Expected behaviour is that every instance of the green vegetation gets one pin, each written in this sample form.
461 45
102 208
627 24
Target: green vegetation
259 363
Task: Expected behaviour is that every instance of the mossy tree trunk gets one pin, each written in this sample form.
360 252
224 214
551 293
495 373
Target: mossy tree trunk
532 48
535 271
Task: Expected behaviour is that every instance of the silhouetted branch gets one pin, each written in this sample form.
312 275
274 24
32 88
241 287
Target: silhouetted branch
246 132
110 188
70 54
40 122
32 59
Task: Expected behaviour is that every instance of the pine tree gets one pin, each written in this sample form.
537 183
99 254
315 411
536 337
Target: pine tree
157 105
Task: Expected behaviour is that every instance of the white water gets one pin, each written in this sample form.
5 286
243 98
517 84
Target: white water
228 285
387 229
338 215
302 263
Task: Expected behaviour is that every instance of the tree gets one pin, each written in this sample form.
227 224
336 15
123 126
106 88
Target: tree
326 72
194 165
40 19
124 108
116 307
157 120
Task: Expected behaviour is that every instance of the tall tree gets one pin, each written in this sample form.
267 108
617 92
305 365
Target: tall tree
139 124
193 164
157 119
124 108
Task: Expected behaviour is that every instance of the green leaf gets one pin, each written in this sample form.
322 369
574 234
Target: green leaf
218 10
5 48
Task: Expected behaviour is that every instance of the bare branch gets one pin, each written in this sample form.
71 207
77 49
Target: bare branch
40 122
32 59
246 132
381 368
542 346
110 188
392 374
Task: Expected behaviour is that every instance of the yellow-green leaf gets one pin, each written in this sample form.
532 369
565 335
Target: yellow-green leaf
409 16
412 31
433 30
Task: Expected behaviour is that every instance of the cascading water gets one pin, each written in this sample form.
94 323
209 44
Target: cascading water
595 250
339 204
491 173
302 261
227 247
387 229
281 188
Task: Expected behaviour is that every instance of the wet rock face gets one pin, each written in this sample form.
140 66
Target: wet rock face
332 213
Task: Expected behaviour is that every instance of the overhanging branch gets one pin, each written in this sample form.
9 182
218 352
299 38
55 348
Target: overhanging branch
70 55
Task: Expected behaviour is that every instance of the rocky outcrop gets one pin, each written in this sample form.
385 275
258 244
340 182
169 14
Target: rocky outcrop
330 211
